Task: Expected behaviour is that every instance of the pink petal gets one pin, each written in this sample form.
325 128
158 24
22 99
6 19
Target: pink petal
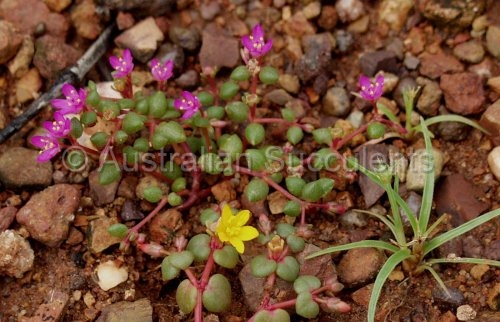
114 62
247 43
66 89
154 62
127 55
267 47
59 103
380 80
257 32
364 81
38 141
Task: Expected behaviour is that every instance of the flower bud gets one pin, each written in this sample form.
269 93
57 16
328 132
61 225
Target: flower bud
152 249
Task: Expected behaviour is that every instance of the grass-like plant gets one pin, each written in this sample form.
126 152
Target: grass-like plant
411 253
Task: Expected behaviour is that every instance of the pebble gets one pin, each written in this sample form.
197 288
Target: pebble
189 79
395 13
490 120
463 93
142 39
19 65
28 86
404 84
223 191
322 266
317 56
98 236
336 102
48 214
414 202
312 10
52 55
278 97
453 131
430 97
493 40
444 300
85 19
140 8
57 5
492 251
494 84
359 26
353 218
328 17
375 61
101 194
53 310
477 271
493 297
7 215
16 255
419 165
343 40
209 10
370 190
130 211
109 275
452 14
472 247
29 15
349 10
276 201
411 62
471 51
465 313
187 38
164 225
219 49
415 41
124 20
454 247
34 173
360 265
298 108
138 311
298 26
289 83
436 64
355 118
10 41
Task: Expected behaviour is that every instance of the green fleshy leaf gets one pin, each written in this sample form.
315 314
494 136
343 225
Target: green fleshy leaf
269 75
168 271
306 283
292 208
142 106
133 123
181 260
141 145
284 229
173 131
206 99
174 199
110 172
158 141
324 158
208 216
287 114
314 191
171 170
76 128
295 243
256 159
255 133
295 185
93 98
99 139
76 159
322 136
120 137
305 306
231 145
261 266
157 104
226 257
228 90
186 296
375 130
118 230
153 194
294 134
131 155
215 112
256 190
237 111
199 246
288 269
88 118
217 295
126 104
210 163
179 184
278 315
240 73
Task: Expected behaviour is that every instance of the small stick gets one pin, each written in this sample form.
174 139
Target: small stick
73 74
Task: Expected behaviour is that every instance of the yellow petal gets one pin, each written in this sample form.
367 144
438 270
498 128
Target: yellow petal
242 218
248 233
238 244
221 233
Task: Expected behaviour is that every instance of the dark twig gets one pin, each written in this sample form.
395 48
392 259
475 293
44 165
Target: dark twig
72 74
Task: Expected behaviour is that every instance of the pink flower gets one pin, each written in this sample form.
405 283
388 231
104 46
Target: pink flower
161 72
60 127
74 101
255 44
49 145
123 65
371 91
189 103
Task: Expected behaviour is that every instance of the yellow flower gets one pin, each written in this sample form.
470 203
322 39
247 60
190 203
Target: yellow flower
231 228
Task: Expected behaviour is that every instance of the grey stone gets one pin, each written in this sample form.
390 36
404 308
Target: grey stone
209 10
33 173
411 62
430 97
447 300
452 13
16 255
219 49
375 61
453 131
420 164
471 51
289 83
317 56
101 194
187 38
406 83
278 96
472 247
189 79
349 10
492 251
140 8
336 102
142 39
138 311
368 156
344 40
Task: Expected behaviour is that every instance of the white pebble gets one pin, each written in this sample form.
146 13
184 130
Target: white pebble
494 162
110 275
465 313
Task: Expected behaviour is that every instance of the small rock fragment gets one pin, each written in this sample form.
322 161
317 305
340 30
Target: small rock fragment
360 265
477 271
34 173
218 49
130 211
224 191
98 236
471 51
328 18
465 313
54 310
472 247
189 79
140 8
368 155
20 64
395 12
462 204
209 10
276 201
138 311
16 255
433 65
494 162
494 84
493 40
142 39
494 297
187 38
52 55
10 40
298 26
349 10
492 251
164 225
290 83
109 275
404 84
375 61
7 215
312 10
490 120
101 194
463 93
85 20
27 86
453 13
57 5
447 300
430 98
420 165
336 102
278 96
47 214
317 56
